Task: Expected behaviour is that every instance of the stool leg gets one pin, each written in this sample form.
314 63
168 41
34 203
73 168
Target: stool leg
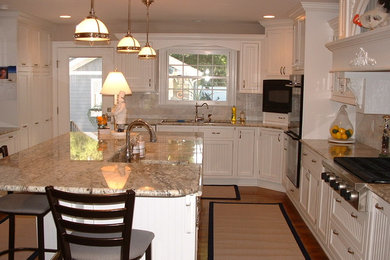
148 255
11 237
41 238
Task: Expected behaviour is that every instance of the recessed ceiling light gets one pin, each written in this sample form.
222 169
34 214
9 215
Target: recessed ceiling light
65 16
269 16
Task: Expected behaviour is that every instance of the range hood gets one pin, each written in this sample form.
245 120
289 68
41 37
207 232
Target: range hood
367 51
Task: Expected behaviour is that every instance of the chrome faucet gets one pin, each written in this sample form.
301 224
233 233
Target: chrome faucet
199 118
129 146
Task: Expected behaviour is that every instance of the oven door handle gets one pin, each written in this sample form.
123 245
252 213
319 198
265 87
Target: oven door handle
292 135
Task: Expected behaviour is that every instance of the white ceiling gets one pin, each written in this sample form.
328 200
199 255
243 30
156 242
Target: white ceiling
115 11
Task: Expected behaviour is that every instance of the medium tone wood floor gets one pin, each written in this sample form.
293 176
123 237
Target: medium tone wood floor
259 195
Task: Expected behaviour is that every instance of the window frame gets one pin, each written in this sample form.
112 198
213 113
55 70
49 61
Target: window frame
164 73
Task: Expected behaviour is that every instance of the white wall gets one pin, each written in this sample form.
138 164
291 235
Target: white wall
319 111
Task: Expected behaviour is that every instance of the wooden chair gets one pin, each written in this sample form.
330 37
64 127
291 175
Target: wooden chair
80 237
29 204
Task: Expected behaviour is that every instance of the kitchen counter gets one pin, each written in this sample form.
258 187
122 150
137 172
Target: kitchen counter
78 162
6 130
329 150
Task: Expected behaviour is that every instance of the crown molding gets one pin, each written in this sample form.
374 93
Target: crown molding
320 7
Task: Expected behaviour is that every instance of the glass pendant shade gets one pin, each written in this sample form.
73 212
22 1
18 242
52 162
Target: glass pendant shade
114 83
147 53
91 29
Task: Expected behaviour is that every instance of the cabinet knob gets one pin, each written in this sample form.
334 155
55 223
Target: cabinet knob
353 215
378 207
313 161
335 232
292 190
338 200
243 83
350 251
304 154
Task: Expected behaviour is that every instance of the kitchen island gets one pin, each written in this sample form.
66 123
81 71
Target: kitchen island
167 182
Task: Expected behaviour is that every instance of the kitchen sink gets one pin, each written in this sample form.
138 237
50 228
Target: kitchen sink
192 122
120 157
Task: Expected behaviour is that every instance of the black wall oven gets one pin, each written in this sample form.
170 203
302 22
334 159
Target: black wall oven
294 132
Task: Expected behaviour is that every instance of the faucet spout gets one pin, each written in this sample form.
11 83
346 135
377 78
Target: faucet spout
130 127
197 118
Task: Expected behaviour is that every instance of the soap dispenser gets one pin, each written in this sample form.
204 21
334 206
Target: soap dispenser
234 115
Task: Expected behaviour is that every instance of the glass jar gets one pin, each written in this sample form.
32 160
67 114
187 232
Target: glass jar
341 128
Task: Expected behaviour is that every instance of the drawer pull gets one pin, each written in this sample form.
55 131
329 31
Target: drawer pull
11 136
378 207
292 190
313 161
335 232
24 126
285 149
36 123
350 251
338 200
304 154
353 215
216 133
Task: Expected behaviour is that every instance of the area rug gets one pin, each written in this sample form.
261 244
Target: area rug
220 192
252 231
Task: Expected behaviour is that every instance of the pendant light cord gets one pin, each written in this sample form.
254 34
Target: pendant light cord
92 11
128 17
147 21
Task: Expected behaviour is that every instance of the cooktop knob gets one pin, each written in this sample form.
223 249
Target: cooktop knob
330 177
325 175
350 195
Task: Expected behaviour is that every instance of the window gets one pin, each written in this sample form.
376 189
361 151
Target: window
190 75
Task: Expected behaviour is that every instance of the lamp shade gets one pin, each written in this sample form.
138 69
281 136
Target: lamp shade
114 83
91 29
128 44
147 52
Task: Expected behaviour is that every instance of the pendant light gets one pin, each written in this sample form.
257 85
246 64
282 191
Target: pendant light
147 52
91 29
128 44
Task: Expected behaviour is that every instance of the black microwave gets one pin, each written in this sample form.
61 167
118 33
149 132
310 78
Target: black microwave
277 97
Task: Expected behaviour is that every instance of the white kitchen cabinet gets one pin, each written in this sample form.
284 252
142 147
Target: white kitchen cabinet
379 211
308 195
271 158
279 48
138 73
350 224
176 128
298 44
10 140
323 200
250 74
246 141
218 156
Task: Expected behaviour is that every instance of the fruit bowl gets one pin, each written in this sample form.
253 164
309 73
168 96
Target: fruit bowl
340 133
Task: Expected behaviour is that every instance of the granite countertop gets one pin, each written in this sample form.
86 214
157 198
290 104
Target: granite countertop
79 162
6 130
330 150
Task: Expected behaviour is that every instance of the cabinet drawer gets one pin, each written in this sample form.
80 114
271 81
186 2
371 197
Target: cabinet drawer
292 191
218 132
311 161
352 222
340 246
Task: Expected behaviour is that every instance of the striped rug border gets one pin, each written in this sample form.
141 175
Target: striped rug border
281 207
237 191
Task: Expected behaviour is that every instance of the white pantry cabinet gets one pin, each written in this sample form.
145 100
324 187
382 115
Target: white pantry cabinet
138 73
250 74
279 48
379 211
271 159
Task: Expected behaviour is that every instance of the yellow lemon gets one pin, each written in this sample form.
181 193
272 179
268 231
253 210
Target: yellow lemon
342 130
338 135
344 136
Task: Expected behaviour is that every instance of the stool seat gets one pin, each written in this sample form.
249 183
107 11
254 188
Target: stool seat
140 241
24 204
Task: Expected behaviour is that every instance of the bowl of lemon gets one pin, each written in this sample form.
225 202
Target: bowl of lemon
341 130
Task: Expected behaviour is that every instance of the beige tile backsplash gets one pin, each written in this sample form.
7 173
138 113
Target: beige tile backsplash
369 129
146 106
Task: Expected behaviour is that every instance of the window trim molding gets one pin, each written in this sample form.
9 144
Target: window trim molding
163 70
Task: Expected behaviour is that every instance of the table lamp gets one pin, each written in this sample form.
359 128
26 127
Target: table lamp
116 84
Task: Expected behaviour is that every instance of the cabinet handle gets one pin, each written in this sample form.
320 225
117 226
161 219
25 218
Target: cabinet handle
292 190
24 126
304 154
285 149
240 134
335 232
313 161
11 136
36 123
46 65
150 83
280 70
279 138
284 70
337 200
243 83
353 215
378 207
35 65
215 133
350 251
24 64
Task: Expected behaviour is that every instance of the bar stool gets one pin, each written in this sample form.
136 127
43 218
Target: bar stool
28 204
